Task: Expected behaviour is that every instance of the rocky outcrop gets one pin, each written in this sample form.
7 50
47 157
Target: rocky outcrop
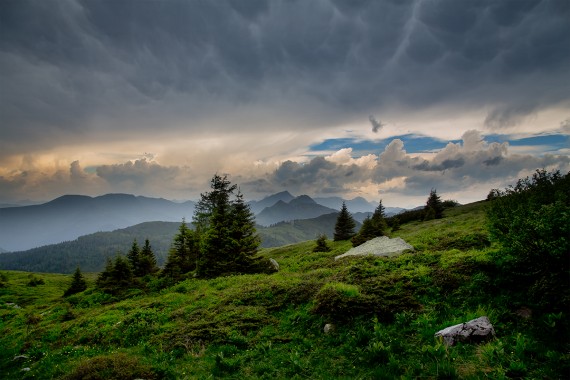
379 246
474 331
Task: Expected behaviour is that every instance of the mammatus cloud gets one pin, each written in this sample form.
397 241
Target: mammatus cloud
110 71
376 125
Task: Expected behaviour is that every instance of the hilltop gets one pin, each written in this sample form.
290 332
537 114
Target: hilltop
385 312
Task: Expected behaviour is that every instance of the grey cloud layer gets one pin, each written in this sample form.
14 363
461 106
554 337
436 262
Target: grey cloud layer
454 168
68 67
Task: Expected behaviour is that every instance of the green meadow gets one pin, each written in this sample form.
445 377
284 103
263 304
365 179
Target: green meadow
384 313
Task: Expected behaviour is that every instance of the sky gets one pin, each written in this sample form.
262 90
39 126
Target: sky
384 99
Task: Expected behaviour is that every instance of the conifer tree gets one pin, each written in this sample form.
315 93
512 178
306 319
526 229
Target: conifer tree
104 279
78 283
134 256
434 206
122 274
117 276
321 244
243 235
344 227
147 261
183 254
213 223
367 232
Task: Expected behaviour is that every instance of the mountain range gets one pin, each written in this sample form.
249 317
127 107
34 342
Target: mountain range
71 216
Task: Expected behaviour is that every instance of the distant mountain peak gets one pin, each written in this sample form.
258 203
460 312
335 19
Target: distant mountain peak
302 199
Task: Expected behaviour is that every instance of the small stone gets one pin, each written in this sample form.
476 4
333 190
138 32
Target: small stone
524 313
329 328
21 357
26 369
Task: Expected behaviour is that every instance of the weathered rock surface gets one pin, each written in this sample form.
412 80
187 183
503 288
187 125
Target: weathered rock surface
329 328
380 246
474 331
274 264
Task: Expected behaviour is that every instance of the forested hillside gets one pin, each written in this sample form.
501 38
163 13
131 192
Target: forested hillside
91 251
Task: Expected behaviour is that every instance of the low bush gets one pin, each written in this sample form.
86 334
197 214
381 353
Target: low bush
118 366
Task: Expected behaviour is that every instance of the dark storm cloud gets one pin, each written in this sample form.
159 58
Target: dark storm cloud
70 66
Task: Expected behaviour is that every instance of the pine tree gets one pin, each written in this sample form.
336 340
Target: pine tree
147 261
122 274
344 227
183 254
367 232
379 220
321 244
243 234
104 279
213 224
117 276
134 256
78 283
434 206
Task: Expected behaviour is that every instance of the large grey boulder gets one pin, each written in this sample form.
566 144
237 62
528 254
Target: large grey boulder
379 246
474 331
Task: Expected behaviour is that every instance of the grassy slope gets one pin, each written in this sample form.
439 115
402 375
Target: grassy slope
258 326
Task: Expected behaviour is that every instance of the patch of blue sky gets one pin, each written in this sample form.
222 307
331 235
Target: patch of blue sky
412 144
550 143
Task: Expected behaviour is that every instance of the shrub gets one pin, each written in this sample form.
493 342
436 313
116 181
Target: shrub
110 367
531 221
321 244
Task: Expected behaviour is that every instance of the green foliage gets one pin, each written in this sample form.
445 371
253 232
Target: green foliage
77 285
183 255
226 232
434 206
35 281
531 221
111 367
371 227
117 277
345 224
258 326
321 244
146 261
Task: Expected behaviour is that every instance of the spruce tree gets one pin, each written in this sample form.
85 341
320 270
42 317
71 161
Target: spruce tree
213 224
244 237
344 227
367 232
104 279
147 261
321 244
183 254
122 274
134 256
78 283
434 206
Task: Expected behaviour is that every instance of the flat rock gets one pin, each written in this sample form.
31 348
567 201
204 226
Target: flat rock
474 331
379 246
